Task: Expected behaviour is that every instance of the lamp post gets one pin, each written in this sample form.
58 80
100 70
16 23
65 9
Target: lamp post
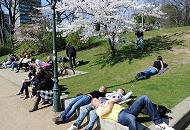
56 90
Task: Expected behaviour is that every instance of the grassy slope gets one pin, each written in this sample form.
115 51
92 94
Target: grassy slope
168 89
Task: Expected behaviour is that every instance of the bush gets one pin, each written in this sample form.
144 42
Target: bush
74 40
29 48
4 50
61 43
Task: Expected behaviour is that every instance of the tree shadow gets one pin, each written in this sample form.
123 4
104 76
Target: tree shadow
152 45
121 84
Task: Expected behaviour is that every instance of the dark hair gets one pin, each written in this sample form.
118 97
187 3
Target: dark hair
159 58
33 60
32 68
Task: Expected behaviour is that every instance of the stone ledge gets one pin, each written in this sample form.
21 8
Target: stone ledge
104 124
180 116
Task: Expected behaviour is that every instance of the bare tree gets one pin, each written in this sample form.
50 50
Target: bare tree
2 27
184 7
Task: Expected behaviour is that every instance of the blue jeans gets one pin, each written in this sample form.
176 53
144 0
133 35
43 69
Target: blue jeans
83 114
14 65
127 117
74 105
150 71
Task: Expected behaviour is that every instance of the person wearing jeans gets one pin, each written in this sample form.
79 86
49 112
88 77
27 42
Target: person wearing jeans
77 103
127 116
150 71
118 96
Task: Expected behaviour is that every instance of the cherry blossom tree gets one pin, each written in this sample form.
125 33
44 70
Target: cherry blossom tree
107 18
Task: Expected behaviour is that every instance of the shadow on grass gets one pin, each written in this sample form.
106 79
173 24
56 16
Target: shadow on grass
152 45
121 84
63 89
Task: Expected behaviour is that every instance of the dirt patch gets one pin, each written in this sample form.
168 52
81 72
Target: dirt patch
183 55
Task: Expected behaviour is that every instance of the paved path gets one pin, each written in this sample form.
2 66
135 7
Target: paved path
14 113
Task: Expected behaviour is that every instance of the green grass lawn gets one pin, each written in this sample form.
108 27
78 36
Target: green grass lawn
168 89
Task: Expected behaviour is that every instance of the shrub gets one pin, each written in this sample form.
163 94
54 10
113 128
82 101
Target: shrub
74 40
29 48
4 50
61 43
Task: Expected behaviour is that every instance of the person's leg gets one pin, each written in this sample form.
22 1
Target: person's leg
70 61
74 62
18 67
127 119
67 109
81 102
150 71
82 115
142 102
27 84
13 65
35 107
93 118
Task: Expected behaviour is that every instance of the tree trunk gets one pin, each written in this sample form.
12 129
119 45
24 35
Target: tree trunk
187 12
2 28
111 44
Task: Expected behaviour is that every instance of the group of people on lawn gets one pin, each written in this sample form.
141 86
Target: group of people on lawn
110 109
97 101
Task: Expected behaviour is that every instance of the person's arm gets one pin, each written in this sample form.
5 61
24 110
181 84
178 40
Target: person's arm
126 96
108 107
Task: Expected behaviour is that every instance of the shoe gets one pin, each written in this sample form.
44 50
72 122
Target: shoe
19 93
26 97
17 71
57 120
73 127
45 102
33 109
163 126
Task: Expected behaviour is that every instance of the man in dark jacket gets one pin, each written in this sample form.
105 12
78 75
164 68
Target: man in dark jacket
71 54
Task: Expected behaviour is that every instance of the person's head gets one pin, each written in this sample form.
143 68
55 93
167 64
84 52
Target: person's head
95 103
32 68
103 89
159 58
27 56
33 60
121 90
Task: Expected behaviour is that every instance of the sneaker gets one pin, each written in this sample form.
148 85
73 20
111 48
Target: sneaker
19 93
57 120
163 126
33 109
73 127
25 97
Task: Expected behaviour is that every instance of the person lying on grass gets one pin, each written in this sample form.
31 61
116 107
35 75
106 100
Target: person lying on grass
158 65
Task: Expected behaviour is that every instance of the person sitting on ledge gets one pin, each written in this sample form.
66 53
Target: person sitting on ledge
127 116
77 102
43 88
